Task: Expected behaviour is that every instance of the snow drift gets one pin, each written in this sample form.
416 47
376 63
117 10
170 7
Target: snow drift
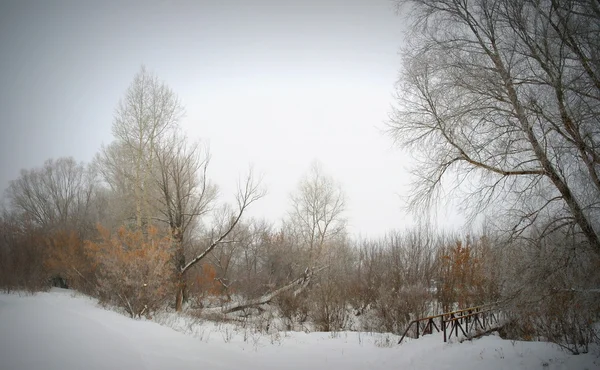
63 330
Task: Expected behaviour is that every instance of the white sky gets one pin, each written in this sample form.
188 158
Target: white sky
276 84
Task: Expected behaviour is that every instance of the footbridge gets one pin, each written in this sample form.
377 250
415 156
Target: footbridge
468 322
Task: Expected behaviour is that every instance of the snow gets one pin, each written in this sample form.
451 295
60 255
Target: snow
62 330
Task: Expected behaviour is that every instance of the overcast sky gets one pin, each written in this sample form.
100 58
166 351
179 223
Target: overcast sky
276 84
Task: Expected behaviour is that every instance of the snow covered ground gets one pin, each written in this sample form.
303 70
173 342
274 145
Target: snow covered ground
60 330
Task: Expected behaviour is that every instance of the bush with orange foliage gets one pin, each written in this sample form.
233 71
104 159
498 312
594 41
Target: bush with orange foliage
204 286
134 270
462 276
207 281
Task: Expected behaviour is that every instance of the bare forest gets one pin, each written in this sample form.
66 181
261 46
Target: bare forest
498 102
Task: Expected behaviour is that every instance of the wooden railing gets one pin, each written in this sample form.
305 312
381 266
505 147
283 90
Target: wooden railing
484 317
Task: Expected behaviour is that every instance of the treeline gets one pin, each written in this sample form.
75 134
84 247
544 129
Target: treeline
69 225
307 275
64 227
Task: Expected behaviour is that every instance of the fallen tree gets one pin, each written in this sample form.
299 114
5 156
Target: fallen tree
297 286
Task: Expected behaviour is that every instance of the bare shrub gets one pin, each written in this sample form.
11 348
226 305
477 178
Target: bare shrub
400 270
367 277
553 294
330 296
293 308
133 269
329 305
566 318
21 256
395 308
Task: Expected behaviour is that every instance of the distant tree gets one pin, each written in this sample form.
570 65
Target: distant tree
116 168
58 195
317 211
315 228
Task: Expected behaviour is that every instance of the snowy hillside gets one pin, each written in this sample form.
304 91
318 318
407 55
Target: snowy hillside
57 330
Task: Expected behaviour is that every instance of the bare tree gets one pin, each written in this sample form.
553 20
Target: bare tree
115 166
317 211
166 176
236 263
57 195
316 224
149 110
185 193
504 95
249 191
406 272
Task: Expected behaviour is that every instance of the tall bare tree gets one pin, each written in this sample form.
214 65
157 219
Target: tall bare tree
149 110
185 193
505 95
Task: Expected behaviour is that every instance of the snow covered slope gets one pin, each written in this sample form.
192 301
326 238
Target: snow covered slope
57 330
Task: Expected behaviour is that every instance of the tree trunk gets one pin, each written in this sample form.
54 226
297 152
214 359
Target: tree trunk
181 286
181 292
